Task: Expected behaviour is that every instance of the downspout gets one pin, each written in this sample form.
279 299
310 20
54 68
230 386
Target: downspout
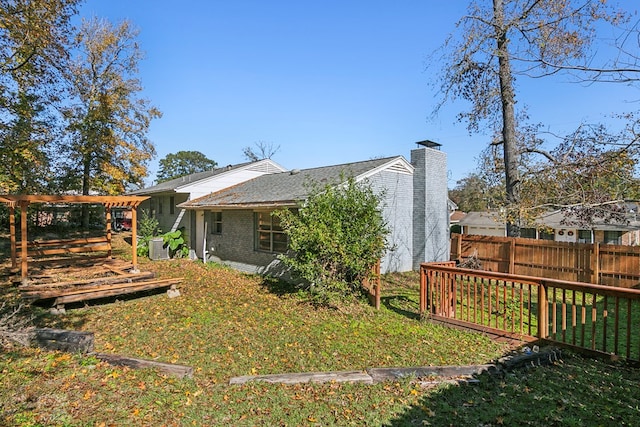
204 242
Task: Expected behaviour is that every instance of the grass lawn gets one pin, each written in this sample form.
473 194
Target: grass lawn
228 324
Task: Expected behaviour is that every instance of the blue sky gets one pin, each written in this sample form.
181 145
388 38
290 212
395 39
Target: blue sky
328 81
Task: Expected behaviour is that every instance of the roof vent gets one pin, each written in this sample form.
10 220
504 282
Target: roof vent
294 172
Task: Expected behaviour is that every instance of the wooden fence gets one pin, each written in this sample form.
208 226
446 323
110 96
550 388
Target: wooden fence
372 286
613 265
603 319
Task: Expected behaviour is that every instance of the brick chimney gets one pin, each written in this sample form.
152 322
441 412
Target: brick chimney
430 210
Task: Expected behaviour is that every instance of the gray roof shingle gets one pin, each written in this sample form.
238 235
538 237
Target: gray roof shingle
286 188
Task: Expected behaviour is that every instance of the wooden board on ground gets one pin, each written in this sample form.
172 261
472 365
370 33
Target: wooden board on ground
307 377
383 374
180 371
84 283
86 280
111 291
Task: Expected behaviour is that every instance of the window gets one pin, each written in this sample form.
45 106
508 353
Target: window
612 237
215 222
528 233
584 236
269 234
546 235
172 205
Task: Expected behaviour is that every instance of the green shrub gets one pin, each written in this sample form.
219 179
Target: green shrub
335 238
147 229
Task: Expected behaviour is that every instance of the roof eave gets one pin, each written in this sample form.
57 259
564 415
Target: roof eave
241 206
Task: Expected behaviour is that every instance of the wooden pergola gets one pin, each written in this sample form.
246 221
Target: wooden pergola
23 201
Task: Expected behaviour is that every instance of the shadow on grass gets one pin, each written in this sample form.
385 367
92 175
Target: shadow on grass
574 392
401 305
279 287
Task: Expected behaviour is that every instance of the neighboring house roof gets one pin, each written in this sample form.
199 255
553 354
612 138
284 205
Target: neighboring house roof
482 219
555 220
456 216
288 188
182 184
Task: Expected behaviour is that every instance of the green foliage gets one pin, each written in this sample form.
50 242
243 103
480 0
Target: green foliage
176 243
335 238
183 163
108 121
34 39
147 229
473 193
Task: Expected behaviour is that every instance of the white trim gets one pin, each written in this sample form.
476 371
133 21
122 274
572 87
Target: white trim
250 167
398 165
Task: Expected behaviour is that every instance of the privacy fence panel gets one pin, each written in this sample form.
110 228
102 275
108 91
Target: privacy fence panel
611 265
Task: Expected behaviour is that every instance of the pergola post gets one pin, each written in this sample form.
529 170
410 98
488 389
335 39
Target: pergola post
12 232
23 243
134 236
107 212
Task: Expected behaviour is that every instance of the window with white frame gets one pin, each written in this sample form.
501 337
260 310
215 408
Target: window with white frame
269 234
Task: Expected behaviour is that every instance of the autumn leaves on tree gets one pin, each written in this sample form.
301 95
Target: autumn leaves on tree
71 114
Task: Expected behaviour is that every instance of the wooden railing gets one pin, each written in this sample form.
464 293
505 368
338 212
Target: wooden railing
603 319
615 265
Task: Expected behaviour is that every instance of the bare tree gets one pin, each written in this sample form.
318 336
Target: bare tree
501 39
261 150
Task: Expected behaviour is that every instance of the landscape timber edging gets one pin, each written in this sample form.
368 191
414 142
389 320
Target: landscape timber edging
370 376
82 342
438 374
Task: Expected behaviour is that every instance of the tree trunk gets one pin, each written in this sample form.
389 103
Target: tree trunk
509 143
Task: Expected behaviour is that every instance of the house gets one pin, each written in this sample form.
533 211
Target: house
166 196
235 224
554 226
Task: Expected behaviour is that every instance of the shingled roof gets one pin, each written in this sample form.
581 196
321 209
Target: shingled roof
289 188
176 183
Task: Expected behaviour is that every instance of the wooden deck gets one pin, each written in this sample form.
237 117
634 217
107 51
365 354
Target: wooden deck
58 283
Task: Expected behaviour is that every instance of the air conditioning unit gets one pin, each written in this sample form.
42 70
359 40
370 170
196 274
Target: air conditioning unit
156 249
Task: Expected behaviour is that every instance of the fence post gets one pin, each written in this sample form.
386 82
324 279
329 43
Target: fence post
543 311
512 256
423 290
378 291
595 263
